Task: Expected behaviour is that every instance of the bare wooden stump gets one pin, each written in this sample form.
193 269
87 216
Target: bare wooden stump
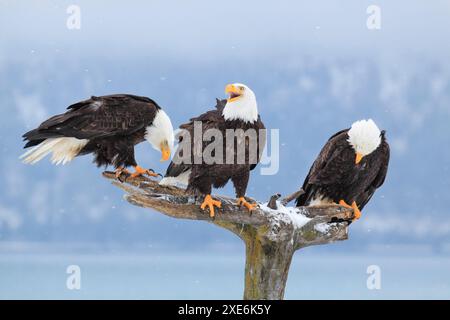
271 233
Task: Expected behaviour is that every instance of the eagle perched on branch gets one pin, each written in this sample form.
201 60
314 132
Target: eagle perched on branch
107 126
239 113
351 166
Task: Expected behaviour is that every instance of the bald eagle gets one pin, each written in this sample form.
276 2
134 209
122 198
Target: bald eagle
350 167
107 126
238 113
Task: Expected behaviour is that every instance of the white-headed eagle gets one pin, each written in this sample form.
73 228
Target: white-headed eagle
107 126
238 113
350 167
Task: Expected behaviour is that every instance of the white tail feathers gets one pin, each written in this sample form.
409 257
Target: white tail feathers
63 149
180 181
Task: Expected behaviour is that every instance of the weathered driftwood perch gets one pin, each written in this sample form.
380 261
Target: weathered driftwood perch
271 233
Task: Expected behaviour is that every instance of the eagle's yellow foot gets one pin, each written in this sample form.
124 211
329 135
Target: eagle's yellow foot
354 206
210 202
141 171
242 202
119 171
356 211
344 204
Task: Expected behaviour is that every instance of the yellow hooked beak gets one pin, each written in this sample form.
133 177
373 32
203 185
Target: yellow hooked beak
359 157
165 151
233 91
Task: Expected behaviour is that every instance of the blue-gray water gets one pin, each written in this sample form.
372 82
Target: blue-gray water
210 275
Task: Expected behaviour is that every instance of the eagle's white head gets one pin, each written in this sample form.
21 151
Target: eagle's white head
241 104
365 137
160 134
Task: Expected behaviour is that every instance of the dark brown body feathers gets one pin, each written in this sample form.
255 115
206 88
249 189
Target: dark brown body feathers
335 175
204 176
113 124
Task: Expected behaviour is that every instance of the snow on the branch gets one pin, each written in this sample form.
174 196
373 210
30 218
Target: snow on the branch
322 227
289 215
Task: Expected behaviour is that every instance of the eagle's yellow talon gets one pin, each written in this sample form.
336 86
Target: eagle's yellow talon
344 204
119 171
151 173
141 171
210 202
354 206
356 211
249 206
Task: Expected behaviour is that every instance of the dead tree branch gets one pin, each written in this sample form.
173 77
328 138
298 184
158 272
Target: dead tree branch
272 232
